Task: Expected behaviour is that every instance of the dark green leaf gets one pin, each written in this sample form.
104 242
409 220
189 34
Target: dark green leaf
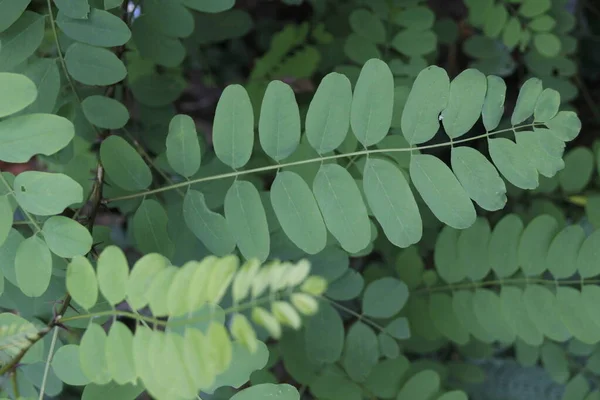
150 229
94 65
21 39
123 164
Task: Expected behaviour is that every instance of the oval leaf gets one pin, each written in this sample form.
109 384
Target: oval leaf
44 193
82 283
66 238
33 266
183 148
124 165
465 102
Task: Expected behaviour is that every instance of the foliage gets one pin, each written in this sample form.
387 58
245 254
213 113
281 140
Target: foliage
383 199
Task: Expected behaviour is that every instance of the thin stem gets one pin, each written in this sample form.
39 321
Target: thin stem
502 282
365 152
48 361
15 385
32 221
355 314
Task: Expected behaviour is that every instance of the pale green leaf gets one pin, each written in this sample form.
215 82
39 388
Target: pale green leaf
21 39
150 228
384 298
18 91
479 178
111 390
82 283
183 147
124 165
297 212
208 226
101 28
328 116
92 354
233 129
547 105
67 367
45 193
441 191
94 65
142 276
119 355
247 220
33 266
113 273
465 102
427 98
342 207
504 245
392 202
535 242
544 150
513 163
565 125
279 123
526 101
105 112
493 105
22 137
65 237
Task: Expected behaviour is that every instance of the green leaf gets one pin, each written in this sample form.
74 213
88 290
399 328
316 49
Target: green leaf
578 388
143 273
564 250
111 390
18 91
544 150
441 191
104 112
92 354
372 103
421 386
479 178
384 298
555 362
119 357
233 129
392 202
473 249
328 116
543 23
172 18
515 311
101 28
548 44
420 18
268 391
427 98
462 303
21 39
575 317
466 99
589 253
10 11
67 367
209 6
445 319
183 147
504 245
6 218
446 256
533 8
535 243
82 283
324 335
526 101
208 226
279 123
44 193
342 207
547 105
24 136
298 213
368 25
488 310
361 352
542 309
493 105
113 273
415 42
579 167
150 228
33 266
454 395
154 45
495 20
565 125
94 65
360 49
65 237
44 74
247 220
124 165
513 163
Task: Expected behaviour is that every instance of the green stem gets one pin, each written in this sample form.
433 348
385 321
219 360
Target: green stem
48 361
365 152
355 314
32 220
